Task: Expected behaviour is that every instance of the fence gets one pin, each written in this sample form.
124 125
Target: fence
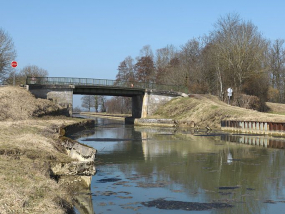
101 82
254 127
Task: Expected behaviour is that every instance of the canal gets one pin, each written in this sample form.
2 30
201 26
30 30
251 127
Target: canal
164 170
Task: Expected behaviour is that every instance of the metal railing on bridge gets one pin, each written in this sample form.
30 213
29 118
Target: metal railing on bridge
101 82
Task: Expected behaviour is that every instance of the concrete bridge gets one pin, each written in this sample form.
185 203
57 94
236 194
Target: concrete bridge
146 97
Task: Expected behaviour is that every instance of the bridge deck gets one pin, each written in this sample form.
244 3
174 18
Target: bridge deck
101 83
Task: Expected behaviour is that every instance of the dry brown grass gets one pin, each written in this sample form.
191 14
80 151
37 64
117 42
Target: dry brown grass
276 108
28 147
18 104
26 188
207 110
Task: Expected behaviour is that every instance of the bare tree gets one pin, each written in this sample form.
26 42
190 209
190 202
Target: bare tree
234 54
240 51
162 61
145 71
121 105
27 71
146 51
277 68
96 103
181 67
7 54
164 55
76 109
125 77
190 65
103 100
172 74
87 102
126 71
33 71
144 68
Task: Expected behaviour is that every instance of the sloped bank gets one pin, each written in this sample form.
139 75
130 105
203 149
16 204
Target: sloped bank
84 166
30 151
206 112
77 174
37 175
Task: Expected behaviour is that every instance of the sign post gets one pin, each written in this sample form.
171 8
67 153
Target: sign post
14 64
230 93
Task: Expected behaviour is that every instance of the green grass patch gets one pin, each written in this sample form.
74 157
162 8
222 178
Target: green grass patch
214 107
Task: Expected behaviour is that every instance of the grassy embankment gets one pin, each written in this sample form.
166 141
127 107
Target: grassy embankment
207 110
28 146
276 108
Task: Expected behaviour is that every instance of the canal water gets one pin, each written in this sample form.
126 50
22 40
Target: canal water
152 170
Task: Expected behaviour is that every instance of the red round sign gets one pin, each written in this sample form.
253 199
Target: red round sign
14 64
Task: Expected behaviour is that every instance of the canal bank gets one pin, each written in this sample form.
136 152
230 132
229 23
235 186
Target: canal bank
33 161
37 173
204 112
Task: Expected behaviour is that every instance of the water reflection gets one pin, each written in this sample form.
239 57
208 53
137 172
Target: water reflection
83 202
143 164
257 140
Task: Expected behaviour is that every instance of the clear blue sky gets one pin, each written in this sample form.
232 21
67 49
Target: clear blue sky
90 38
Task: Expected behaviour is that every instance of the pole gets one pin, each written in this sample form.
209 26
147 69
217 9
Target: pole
14 76
14 64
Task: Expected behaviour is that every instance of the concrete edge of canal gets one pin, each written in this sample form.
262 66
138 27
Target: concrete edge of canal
83 155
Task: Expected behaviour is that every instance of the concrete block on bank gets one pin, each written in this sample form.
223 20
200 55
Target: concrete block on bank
84 168
184 95
79 151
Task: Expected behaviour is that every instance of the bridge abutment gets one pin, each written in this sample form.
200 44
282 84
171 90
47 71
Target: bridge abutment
61 95
152 100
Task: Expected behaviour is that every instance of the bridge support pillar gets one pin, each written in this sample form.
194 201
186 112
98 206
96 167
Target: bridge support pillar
145 105
137 103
